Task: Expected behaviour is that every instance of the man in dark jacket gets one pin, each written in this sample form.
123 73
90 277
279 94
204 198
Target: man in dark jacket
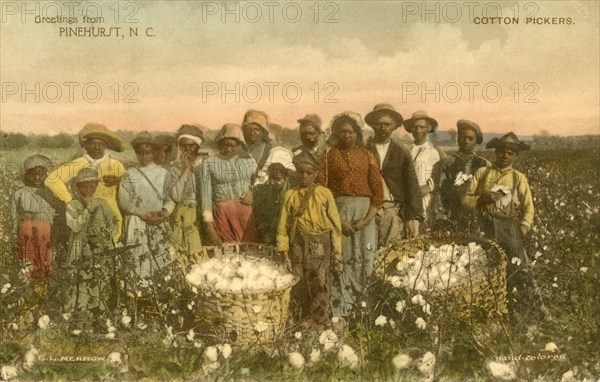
402 207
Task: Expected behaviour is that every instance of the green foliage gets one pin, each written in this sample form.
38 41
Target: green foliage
13 141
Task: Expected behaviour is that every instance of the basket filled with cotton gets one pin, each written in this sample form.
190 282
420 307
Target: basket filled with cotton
468 272
243 296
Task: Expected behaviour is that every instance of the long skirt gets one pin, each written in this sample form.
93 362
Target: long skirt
358 254
152 249
185 235
33 240
235 222
311 257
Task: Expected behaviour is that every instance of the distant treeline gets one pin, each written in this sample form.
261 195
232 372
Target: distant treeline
290 138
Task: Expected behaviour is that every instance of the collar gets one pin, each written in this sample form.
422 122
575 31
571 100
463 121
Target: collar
96 161
426 145
503 170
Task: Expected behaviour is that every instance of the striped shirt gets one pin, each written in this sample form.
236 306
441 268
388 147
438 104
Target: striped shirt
223 179
29 205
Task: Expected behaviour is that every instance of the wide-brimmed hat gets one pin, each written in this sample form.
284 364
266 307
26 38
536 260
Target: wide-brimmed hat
36 160
313 120
86 174
194 132
466 124
306 158
143 138
381 108
256 116
261 119
409 123
231 131
509 140
332 141
96 130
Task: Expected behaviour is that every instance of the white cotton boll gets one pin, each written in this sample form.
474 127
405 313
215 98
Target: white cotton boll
225 350
421 324
516 261
583 269
76 332
261 326
418 299
190 335
551 347
8 372
31 356
110 336
115 358
396 281
44 322
315 356
13 326
126 320
284 281
427 363
401 361
236 285
502 371
400 306
296 359
328 339
421 286
402 266
381 320
427 309
256 308
347 357
211 354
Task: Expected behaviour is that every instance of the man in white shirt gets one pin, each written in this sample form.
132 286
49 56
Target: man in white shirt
425 155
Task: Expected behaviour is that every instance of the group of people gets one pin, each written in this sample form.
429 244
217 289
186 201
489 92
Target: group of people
325 206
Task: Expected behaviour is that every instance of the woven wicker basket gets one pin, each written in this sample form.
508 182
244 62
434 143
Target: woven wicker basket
249 317
483 289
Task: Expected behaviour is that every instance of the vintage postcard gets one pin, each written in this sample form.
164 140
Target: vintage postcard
299 190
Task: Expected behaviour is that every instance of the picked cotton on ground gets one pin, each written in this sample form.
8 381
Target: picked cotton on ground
231 275
439 267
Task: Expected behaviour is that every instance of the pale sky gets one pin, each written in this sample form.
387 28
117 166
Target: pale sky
368 52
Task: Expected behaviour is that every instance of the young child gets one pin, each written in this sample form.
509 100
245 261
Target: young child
91 221
144 198
32 217
267 202
309 237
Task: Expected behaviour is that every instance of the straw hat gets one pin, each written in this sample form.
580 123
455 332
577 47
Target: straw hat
231 131
96 130
466 124
510 141
386 108
409 123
